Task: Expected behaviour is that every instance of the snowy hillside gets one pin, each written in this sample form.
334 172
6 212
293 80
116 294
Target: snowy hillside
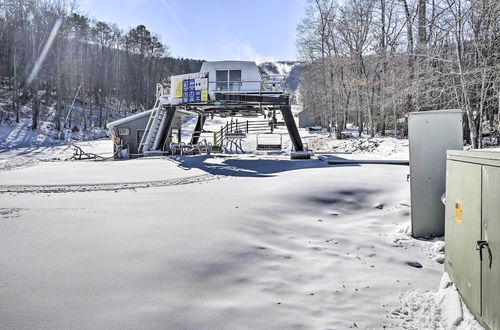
282 68
290 69
20 135
80 126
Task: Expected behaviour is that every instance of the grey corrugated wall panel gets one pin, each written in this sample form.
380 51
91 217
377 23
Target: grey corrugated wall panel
134 125
140 123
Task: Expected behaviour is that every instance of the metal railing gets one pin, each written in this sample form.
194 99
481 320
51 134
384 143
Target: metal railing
240 128
268 83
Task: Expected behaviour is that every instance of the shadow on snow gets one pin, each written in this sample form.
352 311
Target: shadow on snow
232 166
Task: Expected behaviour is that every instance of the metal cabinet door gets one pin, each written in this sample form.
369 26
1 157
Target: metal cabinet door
491 234
431 133
463 229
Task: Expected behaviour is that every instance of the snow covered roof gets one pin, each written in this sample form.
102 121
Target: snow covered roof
140 115
303 110
129 118
230 65
436 112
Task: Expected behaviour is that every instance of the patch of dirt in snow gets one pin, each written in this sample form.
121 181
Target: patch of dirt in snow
63 188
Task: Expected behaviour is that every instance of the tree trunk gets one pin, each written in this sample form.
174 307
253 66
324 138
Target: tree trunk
411 57
36 105
15 94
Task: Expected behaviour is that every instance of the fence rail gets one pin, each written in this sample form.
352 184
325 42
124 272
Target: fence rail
241 128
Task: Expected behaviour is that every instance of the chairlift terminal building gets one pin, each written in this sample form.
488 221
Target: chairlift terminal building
222 88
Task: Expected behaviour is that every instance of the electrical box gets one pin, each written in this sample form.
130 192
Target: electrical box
472 230
430 133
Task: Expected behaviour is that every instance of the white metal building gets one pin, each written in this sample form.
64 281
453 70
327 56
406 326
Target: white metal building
241 76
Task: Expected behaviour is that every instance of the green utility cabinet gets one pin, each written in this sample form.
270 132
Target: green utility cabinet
472 230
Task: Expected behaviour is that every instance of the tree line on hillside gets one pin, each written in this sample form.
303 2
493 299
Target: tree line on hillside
51 54
370 62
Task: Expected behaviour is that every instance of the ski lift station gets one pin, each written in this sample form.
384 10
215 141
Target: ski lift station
222 88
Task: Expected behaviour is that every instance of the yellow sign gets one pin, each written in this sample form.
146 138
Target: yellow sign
189 88
178 89
458 212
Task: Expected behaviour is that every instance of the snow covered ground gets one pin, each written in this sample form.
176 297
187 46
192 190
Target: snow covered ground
444 309
318 142
216 242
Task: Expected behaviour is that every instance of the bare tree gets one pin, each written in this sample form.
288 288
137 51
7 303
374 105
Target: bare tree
404 55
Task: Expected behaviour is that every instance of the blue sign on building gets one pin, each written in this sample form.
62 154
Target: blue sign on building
197 96
189 92
185 91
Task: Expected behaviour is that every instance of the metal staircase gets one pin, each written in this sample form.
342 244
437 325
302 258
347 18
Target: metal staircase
151 133
160 120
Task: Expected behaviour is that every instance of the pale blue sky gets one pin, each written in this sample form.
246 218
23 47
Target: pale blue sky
211 29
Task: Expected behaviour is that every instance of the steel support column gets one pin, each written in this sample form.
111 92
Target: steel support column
198 128
293 131
169 120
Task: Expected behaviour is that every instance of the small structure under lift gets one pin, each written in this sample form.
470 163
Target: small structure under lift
225 88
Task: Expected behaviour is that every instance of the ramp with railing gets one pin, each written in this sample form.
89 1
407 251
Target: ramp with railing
240 129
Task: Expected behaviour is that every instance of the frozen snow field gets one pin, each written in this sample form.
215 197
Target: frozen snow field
236 242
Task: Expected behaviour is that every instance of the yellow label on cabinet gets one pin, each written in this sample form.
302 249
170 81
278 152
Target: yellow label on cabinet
458 212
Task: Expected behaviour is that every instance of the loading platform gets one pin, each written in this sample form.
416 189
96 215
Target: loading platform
245 105
196 94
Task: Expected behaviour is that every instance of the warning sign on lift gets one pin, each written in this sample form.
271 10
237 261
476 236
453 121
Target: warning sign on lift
190 88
